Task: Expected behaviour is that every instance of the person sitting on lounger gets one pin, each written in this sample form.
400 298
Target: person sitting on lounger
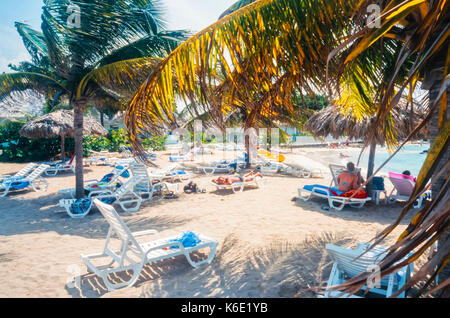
349 179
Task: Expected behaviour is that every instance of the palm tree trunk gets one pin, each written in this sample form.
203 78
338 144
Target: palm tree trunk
78 136
63 148
102 119
371 165
247 149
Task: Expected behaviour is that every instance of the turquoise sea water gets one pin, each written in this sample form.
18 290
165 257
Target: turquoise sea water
410 157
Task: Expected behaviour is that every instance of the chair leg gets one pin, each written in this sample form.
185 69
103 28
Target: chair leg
4 190
212 253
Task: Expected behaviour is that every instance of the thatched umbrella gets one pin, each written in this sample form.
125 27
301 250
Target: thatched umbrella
330 121
59 123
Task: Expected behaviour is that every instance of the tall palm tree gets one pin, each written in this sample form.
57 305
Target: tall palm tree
103 57
265 48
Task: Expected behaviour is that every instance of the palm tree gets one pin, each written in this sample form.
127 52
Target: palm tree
101 59
259 53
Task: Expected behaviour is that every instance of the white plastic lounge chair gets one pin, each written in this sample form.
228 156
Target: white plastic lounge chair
403 189
61 167
146 188
96 184
67 205
170 172
125 196
133 255
334 202
345 267
218 167
33 180
240 185
270 166
21 174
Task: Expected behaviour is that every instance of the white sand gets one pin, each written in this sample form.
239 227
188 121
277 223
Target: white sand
269 246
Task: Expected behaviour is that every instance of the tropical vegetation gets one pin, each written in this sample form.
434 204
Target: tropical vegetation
99 62
260 52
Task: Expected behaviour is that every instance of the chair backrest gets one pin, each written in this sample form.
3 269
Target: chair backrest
26 170
118 227
404 187
128 186
37 172
335 172
346 262
140 170
395 175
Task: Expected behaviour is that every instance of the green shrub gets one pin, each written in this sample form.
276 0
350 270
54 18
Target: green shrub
20 149
157 143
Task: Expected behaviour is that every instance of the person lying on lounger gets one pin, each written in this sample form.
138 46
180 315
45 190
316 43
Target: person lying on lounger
228 180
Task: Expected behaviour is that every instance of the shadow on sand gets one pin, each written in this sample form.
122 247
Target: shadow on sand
282 270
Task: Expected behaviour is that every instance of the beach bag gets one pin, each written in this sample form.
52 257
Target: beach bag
188 239
191 187
378 183
80 206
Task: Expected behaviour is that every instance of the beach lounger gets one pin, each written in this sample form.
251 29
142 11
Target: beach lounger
21 174
346 266
125 196
334 201
171 172
67 204
132 255
220 167
108 182
146 188
54 169
240 185
403 189
33 180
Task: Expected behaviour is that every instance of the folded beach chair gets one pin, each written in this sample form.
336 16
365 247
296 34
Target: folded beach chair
171 172
346 266
146 188
109 182
21 174
403 188
133 255
332 195
54 169
33 180
240 185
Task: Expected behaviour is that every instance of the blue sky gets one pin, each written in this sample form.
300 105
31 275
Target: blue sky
181 14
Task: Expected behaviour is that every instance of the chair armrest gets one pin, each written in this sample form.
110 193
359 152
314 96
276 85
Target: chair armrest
145 232
101 193
93 180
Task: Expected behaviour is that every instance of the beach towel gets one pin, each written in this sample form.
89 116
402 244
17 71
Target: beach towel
333 191
188 239
359 194
80 206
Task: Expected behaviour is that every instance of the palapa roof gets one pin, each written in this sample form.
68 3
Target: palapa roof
330 121
59 123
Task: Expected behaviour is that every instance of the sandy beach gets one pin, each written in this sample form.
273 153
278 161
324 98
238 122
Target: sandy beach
269 244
